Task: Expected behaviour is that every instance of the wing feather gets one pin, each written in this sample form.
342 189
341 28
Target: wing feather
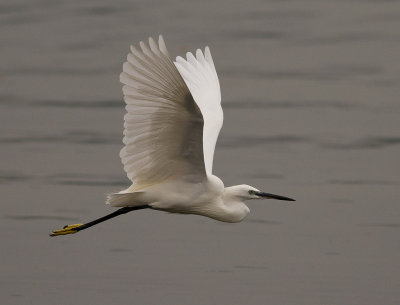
201 78
163 128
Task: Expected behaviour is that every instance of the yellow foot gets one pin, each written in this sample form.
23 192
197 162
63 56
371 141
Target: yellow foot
70 229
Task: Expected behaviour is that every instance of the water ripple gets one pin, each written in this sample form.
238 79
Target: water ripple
328 73
40 217
250 141
380 225
266 176
87 180
82 104
100 10
120 250
6 9
277 14
74 136
58 71
259 104
257 34
251 267
263 221
332 253
363 182
6 177
345 38
366 143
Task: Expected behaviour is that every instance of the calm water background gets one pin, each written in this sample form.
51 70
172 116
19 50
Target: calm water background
311 99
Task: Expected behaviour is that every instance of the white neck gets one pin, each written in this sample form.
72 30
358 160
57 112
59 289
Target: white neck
232 208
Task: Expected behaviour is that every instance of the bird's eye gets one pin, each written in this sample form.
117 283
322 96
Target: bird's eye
251 192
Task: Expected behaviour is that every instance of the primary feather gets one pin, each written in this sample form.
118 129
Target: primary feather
173 115
201 77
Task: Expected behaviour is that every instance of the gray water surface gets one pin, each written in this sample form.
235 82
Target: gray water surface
311 101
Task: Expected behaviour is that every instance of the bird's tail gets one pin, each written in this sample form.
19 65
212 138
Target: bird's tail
125 199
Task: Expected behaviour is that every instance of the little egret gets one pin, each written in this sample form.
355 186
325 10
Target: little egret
172 123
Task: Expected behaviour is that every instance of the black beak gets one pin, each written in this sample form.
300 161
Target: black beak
272 196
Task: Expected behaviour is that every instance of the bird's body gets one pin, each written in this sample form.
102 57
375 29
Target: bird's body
171 127
208 198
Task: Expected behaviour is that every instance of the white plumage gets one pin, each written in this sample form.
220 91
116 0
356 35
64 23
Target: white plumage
173 119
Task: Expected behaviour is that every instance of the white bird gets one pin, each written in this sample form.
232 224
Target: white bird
172 123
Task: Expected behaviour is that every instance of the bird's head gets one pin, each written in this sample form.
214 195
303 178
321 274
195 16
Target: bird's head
246 192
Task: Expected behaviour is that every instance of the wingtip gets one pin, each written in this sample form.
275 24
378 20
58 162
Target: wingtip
190 57
142 45
133 49
162 46
207 52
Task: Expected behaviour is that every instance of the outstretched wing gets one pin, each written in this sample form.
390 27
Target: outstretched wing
163 133
201 78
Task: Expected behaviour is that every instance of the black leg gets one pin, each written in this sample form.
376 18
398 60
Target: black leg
71 229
